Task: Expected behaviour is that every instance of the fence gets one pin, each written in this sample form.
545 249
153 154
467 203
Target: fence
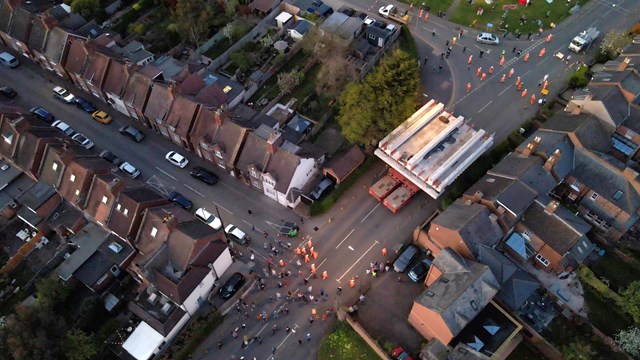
365 69
365 336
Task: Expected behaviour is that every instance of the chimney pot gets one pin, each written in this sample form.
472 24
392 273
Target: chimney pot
551 207
477 196
532 146
553 159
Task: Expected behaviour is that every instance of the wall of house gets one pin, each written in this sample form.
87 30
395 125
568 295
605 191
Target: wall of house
223 262
306 170
448 238
621 218
199 294
429 324
176 329
554 258
117 103
598 109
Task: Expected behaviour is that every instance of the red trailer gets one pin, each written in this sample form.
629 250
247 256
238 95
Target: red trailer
383 187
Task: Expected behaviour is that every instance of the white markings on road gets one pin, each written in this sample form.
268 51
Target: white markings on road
484 107
345 238
222 207
372 210
317 268
194 190
166 173
350 248
360 258
505 89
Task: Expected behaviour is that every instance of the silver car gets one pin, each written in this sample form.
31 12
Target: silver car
129 170
82 141
487 38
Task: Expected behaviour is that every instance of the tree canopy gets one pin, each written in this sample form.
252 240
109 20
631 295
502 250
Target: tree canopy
631 296
34 333
192 20
578 350
613 43
78 345
51 291
369 110
629 341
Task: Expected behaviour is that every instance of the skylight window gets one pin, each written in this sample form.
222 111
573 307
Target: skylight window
618 194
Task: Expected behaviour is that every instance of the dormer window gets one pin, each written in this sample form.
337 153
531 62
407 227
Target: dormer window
54 166
118 207
125 212
594 195
219 154
105 199
254 173
72 178
154 231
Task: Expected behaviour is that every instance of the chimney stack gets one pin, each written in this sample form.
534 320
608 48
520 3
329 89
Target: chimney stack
532 146
274 142
477 196
218 117
115 186
551 207
553 159
630 174
170 220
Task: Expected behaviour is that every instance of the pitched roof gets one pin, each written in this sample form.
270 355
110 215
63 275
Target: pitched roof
342 165
101 261
21 25
96 69
254 152
136 92
518 289
513 195
528 169
262 5
117 78
6 15
461 292
282 167
159 102
87 242
76 56
182 115
133 201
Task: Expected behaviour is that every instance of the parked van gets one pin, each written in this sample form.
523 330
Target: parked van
8 60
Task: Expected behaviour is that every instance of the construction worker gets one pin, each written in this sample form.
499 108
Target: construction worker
503 78
313 268
479 71
541 53
524 93
470 59
384 251
549 37
533 99
281 263
483 76
306 258
502 61
511 73
518 80
491 70
520 86
309 244
526 57
314 254
352 283
545 84
324 275
298 251
468 87
304 251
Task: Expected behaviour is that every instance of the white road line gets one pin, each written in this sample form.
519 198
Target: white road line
194 190
360 258
220 206
166 173
345 238
365 218
543 60
505 89
484 107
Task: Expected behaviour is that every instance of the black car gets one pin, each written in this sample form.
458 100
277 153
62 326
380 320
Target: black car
110 157
84 104
8 92
232 285
132 133
179 199
419 272
348 11
362 16
204 175
42 114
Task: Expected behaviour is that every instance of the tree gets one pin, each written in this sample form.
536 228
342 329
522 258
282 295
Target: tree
51 291
34 333
192 19
578 350
613 43
242 60
78 345
383 100
87 8
629 341
631 300
235 30
288 81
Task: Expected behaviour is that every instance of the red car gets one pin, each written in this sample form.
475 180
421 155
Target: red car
399 354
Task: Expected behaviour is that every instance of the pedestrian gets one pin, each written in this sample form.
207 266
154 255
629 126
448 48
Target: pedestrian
460 34
426 59
442 55
308 336
287 329
259 339
399 279
503 53
310 289
439 68
250 212
546 76
433 33
529 36
464 49
339 290
299 263
514 49
244 326
234 334
481 53
311 297
274 329
301 220
362 298
273 350
311 319
447 43
299 342
305 281
434 68
265 235
219 344
286 310
278 295
518 53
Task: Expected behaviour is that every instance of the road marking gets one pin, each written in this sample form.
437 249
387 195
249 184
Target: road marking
166 173
220 206
317 268
360 258
505 89
350 248
484 107
365 218
194 190
345 238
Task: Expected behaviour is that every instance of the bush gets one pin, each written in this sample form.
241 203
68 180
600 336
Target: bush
635 29
587 276
193 336
580 78
406 42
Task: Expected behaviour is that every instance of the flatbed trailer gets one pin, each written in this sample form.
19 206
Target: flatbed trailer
383 187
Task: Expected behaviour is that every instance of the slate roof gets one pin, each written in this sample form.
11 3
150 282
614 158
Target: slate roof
21 25
513 195
6 14
472 222
136 91
87 241
159 103
117 78
230 137
182 115
613 100
282 167
469 289
528 169
134 200
254 152
262 5
102 260
587 129
95 71
345 163
37 195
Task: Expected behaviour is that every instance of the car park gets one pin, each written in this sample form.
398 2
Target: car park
180 200
232 285
82 140
419 272
176 159
321 188
208 218
204 175
110 157
132 133
129 170
8 60
42 114
63 94
101 117
404 260
236 234
84 104
8 92
487 38
64 127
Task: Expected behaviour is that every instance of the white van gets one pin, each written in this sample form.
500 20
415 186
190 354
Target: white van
9 60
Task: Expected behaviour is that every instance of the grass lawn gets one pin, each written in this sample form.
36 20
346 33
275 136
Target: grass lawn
618 272
604 314
218 49
435 5
306 88
525 351
465 14
270 89
345 344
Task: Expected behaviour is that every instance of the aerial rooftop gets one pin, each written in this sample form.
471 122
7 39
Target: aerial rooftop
433 147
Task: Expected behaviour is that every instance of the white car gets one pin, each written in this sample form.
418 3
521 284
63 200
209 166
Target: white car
391 28
385 10
209 219
487 38
82 141
63 94
236 234
62 126
129 170
177 159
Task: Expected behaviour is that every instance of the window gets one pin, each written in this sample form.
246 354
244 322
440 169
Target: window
54 166
372 36
253 173
474 305
594 195
226 89
576 185
208 156
175 137
527 234
218 154
542 260
8 138
444 280
105 199
154 231
618 194
429 294
72 178
118 207
125 212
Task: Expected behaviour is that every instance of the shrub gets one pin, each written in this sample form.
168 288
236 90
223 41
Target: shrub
580 78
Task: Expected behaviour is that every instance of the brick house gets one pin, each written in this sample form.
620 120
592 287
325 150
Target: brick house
126 215
17 21
136 96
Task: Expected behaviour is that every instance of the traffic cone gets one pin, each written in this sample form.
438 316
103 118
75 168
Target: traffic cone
533 99
470 59
541 53
491 70
503 78
483 76
524 93
511 73
306 258
468 87
502 61
324 275
526 57
352 283
549 37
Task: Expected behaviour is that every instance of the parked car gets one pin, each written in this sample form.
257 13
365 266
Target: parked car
319 190
42 114
62 126
232 285
204 175
84 104
419 271
63 94
8 60
487 38
101 117
179 199
236 234
110 157
404 260
8 92
362 16
177 159
82 140
132 133
348 11
390 28
208 218
385 10
129 170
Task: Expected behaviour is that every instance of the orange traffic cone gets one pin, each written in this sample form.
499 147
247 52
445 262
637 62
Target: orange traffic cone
541 53
524 93
503 78
526 57
324 275
484 75
306 258
511 73
352 283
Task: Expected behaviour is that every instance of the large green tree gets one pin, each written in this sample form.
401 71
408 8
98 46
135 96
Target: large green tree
33 333
631 296
613 43
578 350
371 109
192 20
78 345
51 292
